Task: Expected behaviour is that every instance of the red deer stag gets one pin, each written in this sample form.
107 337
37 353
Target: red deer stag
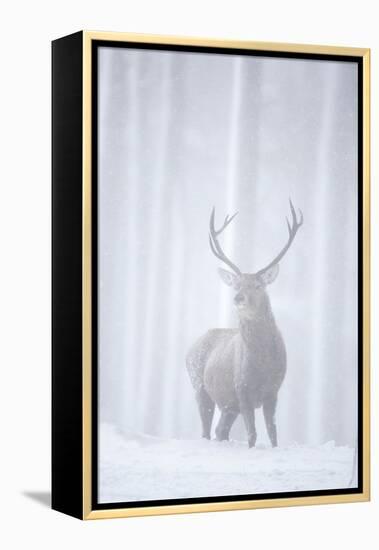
242 369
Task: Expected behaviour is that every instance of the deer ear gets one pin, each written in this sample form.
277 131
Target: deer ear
229 278
269 276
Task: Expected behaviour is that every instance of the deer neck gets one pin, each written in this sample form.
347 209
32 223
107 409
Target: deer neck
257 328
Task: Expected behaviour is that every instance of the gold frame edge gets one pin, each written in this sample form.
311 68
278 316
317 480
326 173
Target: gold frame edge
88 513
366 98
226 43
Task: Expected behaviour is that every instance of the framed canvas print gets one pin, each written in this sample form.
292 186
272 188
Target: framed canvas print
210 275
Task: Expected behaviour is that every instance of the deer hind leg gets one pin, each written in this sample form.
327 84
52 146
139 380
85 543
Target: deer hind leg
269 408
247 408
206 409
225 423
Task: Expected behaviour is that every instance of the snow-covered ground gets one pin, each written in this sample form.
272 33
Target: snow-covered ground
138 467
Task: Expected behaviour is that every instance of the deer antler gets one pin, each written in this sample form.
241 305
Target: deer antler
292 230
215 245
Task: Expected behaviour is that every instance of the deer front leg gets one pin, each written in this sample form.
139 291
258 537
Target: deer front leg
269 408
247 409
225 423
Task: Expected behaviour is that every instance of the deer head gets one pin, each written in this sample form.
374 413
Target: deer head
250 287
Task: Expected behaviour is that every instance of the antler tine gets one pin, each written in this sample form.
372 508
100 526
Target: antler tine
215 245
292 230
225 224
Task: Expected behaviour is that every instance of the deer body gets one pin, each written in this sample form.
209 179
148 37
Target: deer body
240 370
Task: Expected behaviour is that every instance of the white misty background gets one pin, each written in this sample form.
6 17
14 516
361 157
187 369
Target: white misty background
179 133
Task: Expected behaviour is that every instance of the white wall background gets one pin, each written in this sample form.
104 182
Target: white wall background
25 275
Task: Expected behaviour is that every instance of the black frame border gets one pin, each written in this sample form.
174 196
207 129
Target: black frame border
95 44
67 253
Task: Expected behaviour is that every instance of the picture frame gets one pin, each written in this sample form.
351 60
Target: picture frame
111 115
